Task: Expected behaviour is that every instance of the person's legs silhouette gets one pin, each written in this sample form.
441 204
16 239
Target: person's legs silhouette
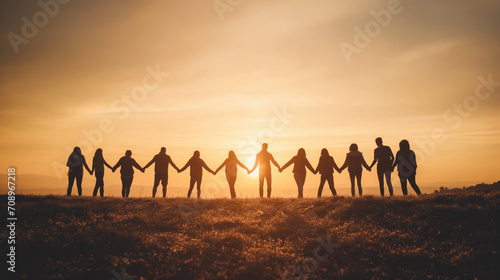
389 183
79 184
71 181
403 185
413 184
352 176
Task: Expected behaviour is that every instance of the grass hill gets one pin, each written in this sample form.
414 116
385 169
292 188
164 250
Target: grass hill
445 235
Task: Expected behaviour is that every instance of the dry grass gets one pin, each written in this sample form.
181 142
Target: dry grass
438 236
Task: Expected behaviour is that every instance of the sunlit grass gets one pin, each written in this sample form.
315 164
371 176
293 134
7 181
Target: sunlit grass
438 236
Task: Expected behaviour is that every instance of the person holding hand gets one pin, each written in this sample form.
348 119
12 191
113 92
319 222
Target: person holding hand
76 162
355 160
264 160
300 162
196 172
98 164
231 164
127 171
406 161
161 161
325 167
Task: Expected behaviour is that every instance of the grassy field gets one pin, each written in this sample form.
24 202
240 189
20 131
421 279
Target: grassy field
446 235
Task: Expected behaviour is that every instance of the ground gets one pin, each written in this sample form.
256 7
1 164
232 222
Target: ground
452 234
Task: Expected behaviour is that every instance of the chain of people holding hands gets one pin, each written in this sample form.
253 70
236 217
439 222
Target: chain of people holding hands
405 161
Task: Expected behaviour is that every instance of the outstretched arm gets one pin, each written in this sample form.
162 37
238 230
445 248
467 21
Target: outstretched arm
346 163
117 165
317 167
274 162
220 167
363 162
391 156
173 165
374 159
86 166
287 164
185 166
149 163
335 166
105 163
241 164
206 167
396 162
136 165
309 166
255 165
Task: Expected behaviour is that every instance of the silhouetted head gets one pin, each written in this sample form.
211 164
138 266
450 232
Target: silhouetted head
301 153
77 150
378 141
163 150
324 152
404 145
264 146
353 147
231 155
98 152
128 153
196 154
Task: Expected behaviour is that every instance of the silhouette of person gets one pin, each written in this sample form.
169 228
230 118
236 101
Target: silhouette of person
264 159
196 172
127 171
406 162
325 167
383 155
300 162
76 162
161 161
98 168
231 164
355 160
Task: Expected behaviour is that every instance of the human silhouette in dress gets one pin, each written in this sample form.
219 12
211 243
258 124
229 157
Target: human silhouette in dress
325 167
300 162
264 159
76 162
196 172
383 155
354 161
231 164
161 161
127 164
406 161
98 164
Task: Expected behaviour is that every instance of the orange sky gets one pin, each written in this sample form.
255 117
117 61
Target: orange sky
273 71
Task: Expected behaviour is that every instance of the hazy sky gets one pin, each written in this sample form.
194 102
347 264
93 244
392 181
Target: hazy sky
308 74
